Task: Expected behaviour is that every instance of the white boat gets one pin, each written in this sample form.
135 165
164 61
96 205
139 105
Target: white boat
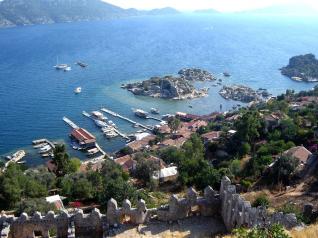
140 113
100 116
60 66
67 68
78 90
40 145
154 111
111 134
112 123
16 156
100 123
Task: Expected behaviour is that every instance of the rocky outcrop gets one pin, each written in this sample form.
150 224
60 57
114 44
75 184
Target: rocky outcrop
170 87
302 68
227 205
242 93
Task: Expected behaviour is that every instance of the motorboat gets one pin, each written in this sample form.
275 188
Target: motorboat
140 113
226 74
78 90
154 111
83 65
100 116
112 123
68 68
100 123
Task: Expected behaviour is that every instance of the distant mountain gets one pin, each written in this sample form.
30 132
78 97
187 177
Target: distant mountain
29 12
286 9
206 11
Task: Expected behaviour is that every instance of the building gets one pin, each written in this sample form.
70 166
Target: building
195 125
83 138
56 200
127 163
300 153
166 174
139 145
211 136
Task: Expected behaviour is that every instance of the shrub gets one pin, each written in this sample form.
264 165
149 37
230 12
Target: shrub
275 231
261 200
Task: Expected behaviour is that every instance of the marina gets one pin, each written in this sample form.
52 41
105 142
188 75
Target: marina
70 123
126 119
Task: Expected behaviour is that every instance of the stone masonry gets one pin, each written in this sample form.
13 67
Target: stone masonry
228 205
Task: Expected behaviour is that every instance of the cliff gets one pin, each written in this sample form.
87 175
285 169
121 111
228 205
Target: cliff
302 68
29 12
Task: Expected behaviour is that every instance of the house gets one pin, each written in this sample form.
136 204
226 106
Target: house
160 162
166 174
272 120
85 167
174 142
300 153
127 163
195 125
186 117
211 136
56 200
83 138
139 145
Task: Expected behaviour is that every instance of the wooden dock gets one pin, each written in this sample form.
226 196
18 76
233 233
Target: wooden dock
70 123
125 118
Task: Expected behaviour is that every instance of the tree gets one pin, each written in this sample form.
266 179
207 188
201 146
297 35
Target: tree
61 160
145 169
74 165
82 189
283 169
274 231
174 124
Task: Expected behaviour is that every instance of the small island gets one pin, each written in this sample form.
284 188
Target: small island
302 68
243 93
173 87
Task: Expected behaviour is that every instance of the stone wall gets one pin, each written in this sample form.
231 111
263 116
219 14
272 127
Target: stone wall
229 205
237 212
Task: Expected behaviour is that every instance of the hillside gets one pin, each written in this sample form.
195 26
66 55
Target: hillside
29 12
302 68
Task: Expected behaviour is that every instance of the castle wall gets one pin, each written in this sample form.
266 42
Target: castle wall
228 204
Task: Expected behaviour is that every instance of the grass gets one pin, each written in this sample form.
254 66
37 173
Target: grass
308 232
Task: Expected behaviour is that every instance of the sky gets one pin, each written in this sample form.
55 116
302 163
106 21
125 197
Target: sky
220 5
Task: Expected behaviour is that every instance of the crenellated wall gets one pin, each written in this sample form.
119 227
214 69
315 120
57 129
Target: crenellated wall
237 212
234 210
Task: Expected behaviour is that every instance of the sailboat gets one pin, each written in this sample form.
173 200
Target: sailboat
64 67
78 90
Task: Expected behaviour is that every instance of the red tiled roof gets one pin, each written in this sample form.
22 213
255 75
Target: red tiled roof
82 135
126 162
213 135
299 152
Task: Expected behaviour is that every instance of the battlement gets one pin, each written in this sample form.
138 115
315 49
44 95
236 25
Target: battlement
229 205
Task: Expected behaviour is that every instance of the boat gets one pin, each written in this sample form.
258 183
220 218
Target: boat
92 151
112 123
226 74
83 65
78 90
40 145
68 68
100 116
154 110
140 113
16 156
100 123
45 149
111 134
60 66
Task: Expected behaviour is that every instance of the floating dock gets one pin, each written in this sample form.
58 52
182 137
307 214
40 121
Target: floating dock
125 118
70 123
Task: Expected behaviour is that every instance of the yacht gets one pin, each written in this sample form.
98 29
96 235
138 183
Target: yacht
140 113
68 68
100 116
154 111
16 156
61 66
112 123
78 90
226 74
100 123
111 134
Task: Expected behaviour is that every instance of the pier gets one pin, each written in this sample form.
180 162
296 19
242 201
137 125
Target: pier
154 118
70 123
125 118
114 129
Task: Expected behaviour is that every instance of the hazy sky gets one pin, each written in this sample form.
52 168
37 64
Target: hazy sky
221 5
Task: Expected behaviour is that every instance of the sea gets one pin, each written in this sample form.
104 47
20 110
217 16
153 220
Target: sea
34 97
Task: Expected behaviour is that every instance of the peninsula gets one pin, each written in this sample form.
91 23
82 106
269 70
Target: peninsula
302 68
173 87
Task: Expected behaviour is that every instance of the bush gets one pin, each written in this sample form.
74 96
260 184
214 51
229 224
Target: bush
261 200
275 231
246 184
291 208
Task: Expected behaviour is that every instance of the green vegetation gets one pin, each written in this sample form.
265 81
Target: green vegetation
275 231
261 200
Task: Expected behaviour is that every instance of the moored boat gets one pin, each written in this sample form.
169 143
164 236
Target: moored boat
100 123
154 110
140 113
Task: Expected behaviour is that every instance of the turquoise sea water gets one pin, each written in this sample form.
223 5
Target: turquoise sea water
34 97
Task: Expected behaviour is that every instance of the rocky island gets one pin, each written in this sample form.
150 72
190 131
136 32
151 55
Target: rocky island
172 87
243 93
302 68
